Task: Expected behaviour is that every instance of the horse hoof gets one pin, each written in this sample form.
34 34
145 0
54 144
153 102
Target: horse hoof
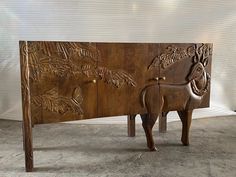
185 143
153 148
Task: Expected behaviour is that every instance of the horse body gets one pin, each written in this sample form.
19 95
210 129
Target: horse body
161 97
181 97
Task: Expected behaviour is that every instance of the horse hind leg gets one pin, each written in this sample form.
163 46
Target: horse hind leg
148 123
186 118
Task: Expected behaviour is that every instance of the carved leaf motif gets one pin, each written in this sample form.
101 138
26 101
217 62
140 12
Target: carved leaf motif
60 67
52 102
89 70
66 50
171 55
115 77
77 96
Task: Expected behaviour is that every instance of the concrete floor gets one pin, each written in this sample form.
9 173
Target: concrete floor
105 150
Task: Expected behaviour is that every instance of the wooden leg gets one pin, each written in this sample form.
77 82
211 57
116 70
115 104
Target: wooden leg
186 118
27 126
27 144
23 135
163 122
131 125
148 123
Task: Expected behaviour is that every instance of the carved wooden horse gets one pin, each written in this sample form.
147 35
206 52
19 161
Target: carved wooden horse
181 97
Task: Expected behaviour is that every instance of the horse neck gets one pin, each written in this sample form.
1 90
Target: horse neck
201 81
200 85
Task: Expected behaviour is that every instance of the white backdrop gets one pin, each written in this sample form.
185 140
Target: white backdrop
120 21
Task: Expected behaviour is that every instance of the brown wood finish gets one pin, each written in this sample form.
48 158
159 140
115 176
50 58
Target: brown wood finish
149 121
186 118
131 125
27 125
163 122
64 81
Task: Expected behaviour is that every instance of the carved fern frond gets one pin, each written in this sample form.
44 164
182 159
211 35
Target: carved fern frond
66 50
55 66
89 70
61 67
55 58
52 102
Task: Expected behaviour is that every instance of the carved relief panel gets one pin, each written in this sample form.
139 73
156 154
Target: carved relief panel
73 80
59 81
184 75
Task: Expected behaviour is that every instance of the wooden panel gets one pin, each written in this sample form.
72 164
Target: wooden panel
60 75
129 65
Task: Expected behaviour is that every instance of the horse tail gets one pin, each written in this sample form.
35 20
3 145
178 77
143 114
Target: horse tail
142 97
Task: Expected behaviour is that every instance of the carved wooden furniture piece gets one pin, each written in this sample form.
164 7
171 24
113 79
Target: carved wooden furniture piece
64 81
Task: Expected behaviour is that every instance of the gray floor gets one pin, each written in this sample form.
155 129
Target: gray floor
105 150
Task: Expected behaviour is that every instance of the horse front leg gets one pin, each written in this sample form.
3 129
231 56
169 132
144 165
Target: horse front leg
148 123
186 118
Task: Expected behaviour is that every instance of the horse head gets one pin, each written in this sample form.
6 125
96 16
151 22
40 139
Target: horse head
198 77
